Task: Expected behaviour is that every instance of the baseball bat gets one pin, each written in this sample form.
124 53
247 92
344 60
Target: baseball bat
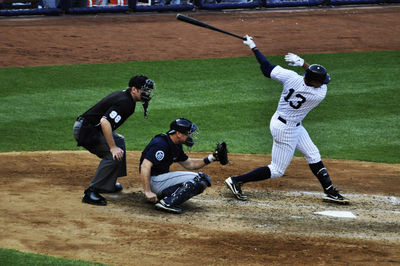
205 25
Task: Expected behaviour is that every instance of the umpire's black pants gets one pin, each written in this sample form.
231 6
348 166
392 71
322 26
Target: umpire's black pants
108 170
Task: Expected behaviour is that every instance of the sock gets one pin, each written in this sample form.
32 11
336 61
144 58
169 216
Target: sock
257 174
321 173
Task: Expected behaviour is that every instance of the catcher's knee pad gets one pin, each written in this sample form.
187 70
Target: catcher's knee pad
168 191
198 184
186 191
205 179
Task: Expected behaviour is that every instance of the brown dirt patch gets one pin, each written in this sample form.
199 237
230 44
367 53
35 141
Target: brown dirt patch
98 39
41 191
42 213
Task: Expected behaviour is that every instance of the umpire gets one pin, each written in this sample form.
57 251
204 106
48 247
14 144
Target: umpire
95 131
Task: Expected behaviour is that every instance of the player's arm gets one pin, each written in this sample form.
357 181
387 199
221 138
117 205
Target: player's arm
295 60
306 65
193 164
116 151
145 175
265 65
219 154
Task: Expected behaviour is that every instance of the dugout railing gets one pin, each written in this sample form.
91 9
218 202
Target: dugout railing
59 7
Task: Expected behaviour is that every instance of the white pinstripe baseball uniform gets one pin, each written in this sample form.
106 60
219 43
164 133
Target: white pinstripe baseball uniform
299 96
296 101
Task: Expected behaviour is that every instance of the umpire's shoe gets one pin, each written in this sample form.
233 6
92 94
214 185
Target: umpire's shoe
92 197
235 188
162 205
332 195
117 188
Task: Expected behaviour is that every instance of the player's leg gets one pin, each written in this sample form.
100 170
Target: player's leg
162 182
234 183
283 147
313 157
307 147
175 188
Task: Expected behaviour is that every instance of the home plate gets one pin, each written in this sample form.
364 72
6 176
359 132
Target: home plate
342 214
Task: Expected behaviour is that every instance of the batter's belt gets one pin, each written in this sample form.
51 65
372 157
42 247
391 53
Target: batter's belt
283 120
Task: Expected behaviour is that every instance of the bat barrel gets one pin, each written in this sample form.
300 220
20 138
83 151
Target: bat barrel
205 25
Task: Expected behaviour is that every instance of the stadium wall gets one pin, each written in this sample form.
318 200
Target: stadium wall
60 7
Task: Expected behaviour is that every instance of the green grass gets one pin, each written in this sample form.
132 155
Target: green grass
229 99
11 257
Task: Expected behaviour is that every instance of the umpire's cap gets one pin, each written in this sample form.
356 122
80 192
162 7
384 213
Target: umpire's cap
317 73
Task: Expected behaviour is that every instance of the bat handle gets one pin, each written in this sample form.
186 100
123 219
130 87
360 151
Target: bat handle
240 37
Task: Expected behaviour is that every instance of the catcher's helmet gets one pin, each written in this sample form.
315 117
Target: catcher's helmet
183 126
317 73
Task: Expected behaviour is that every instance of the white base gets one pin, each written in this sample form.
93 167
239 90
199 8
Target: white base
342 214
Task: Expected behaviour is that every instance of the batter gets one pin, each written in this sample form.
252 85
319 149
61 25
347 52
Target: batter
299 96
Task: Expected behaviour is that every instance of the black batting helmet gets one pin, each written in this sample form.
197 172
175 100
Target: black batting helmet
317 73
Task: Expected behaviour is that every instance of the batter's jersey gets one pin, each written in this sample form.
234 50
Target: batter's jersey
162 152
116 108
297 99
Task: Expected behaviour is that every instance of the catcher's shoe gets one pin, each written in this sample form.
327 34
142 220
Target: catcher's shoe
94 198
162 205
332 195
235 188
117 188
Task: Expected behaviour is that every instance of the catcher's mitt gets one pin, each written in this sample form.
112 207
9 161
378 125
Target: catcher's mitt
221 153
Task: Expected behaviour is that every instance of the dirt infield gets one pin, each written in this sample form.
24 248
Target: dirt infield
97 39
41 191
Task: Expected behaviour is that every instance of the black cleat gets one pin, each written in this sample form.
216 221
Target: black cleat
235 188
162 205
117 188
94 198
332 195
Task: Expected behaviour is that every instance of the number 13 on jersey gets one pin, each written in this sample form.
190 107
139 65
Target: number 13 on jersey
293 103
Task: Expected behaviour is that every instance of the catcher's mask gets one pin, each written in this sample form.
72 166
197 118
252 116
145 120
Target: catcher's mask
317 73
147 86
185 127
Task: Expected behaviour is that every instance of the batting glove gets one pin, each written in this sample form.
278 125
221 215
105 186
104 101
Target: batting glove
294 60
249 42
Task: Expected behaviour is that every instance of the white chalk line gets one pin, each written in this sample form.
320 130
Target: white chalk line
391 201
363 214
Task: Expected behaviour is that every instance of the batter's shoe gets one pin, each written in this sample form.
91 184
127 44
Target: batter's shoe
162 205
94 198
332 195
235 188
117 188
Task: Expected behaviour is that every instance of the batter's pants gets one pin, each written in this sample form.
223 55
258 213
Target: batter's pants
287 139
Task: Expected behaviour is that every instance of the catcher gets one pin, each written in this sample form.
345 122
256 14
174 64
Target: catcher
168 190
